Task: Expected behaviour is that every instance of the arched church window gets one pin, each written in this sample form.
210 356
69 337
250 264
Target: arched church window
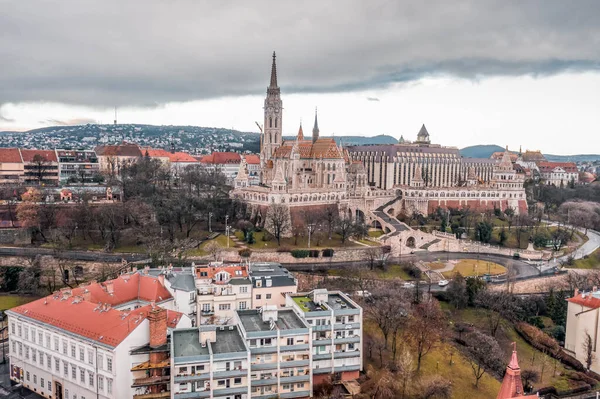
270 122
275 122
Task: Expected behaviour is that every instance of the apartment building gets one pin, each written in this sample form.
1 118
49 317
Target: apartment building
76 343
226 162
113 158
11 166
279 344
77 165
336 329
270 283
221 290
40 166
583 313
209 362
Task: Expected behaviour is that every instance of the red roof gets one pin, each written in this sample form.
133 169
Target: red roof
155 152
589 301
211 271
222 158
322 148
181 157
10 155
88 311
550 166
252 159
48 155
120 150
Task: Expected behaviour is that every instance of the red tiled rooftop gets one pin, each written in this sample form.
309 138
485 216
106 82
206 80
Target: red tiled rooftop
78 310
222 158
252 159
213 270
120 150
549 166
48 155
10 155
589 301
181 157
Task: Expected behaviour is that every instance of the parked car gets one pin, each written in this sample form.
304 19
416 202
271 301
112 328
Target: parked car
409 284
443 283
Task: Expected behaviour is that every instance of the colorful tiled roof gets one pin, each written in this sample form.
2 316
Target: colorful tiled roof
252 159
48 155
10 155
120 150
550 166
322 148
181 157
587 300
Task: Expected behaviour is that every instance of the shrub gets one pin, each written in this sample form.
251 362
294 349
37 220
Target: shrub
267 236
412 270
245 252
328 253
314 253
300 253
386 249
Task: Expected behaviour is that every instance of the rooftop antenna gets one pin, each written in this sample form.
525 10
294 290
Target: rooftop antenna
115 116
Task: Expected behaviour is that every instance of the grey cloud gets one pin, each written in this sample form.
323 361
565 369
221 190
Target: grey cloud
68 122
148 52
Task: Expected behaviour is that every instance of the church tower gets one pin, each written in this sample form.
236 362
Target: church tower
272 132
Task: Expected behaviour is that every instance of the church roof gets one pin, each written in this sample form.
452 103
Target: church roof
300 133
322 148
512 386
423 131
273 72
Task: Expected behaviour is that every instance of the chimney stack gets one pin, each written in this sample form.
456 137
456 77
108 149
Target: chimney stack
146 269
158 327
110 287
161 279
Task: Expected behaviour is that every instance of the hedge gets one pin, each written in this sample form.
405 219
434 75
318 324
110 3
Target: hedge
328 253
300 253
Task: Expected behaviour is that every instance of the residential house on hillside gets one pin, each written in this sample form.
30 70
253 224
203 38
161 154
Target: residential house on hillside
12 168
40 166
77 165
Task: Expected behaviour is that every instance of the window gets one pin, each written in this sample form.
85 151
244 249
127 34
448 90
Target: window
41 358
34 355
50 386
49 361
243 290
12 328
40 338
268 296
74 372
237 381
48 341
66 394
350 319
20 330
109 363
33 334
206 307
82 375
224 306
219 383
20 349
56 344
26 333
290 341
101 383
35 379
258 296
81 354
14 347
91 378
90 356
100 361
66 369
73 350
64 347
28 376
42 384
26 352
242 305
108 385
300 385
182 370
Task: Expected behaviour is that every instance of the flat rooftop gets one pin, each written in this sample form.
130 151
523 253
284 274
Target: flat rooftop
307 305
264 269
187 343
228 341
286 320
336 302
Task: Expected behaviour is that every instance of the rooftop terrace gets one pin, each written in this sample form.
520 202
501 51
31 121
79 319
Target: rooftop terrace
187 343
286 320
228 341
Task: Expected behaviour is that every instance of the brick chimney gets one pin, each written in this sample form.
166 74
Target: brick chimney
161 279
158 326
110 287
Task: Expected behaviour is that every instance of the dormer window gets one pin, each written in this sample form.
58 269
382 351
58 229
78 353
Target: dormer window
259 283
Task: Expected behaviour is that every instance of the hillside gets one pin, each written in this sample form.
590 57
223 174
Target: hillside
486 151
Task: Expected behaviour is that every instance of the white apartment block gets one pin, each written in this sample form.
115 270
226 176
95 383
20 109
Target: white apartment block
75 344
583 313
337 333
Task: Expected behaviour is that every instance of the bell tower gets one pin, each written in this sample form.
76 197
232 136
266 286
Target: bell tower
272 131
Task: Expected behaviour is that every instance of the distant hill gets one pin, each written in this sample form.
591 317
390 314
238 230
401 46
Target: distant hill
486 151
357 140
480 151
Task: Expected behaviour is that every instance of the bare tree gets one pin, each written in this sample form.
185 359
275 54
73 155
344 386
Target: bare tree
214 249
529 377
374 257
426 328
435 387
588 350
278 221
40 167
387 308
381 384
405 370
330 215
344 228
484 354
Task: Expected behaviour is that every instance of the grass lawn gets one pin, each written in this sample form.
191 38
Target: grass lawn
10 301
591 262
301 301
369 243
436 265
220 239
467 268
375 233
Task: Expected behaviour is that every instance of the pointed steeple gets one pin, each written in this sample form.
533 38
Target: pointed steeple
273 73
300 136
315 132
423 135
512 386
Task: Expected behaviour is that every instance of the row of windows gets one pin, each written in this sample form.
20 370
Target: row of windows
37 336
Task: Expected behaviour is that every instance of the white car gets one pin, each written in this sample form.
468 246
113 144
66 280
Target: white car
443 283
409 285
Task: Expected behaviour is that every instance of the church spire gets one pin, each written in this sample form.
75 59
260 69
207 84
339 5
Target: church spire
300 136
512 386
315 135
273 73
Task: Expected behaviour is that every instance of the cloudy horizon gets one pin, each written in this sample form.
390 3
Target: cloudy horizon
493 72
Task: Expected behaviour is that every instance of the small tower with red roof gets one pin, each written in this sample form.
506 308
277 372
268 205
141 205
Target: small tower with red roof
512 386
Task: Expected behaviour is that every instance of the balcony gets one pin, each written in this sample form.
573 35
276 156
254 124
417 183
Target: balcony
208 312
156 380
294 379
263 349
231 391
191 378
346 354
263 366
297 394
294 363
230 373
161 395
192 395
264 382
347 340
150 366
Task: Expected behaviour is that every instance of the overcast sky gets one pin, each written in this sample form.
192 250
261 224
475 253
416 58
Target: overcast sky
475 72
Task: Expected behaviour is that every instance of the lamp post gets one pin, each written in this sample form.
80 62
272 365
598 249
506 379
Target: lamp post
227 233
210 214
311 226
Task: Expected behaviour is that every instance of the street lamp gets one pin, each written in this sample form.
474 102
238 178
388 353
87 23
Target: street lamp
210 214
311 226
227 233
